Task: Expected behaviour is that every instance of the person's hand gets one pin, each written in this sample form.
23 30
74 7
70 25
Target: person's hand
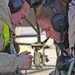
25 60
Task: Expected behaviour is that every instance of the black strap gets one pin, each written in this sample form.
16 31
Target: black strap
46 2
62 42
51 4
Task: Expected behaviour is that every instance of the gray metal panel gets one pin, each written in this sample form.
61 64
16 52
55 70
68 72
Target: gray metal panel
31 18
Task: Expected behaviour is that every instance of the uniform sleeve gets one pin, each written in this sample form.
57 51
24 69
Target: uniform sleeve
1 26
71 18
1 34
8 63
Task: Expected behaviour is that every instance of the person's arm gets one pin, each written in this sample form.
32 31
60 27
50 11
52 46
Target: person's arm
10 62
7 62
71 18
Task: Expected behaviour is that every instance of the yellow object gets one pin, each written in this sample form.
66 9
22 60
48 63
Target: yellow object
23 48
6 34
